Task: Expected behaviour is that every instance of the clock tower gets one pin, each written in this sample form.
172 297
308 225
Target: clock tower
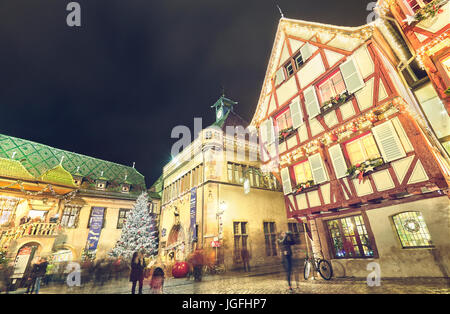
223 108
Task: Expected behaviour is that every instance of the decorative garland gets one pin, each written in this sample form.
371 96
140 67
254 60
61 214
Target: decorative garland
87 255
285 133
358 170
336 101
66 198
304 185
346 131
430 10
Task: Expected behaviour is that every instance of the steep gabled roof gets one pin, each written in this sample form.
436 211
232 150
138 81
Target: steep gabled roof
42 161
340 38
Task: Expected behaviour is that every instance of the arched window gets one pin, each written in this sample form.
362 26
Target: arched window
412 230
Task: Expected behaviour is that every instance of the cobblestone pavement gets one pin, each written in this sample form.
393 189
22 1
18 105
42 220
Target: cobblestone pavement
270 284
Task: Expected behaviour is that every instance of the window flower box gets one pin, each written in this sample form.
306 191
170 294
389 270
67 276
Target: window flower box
430 10
285 134
365 168
305 187
335 102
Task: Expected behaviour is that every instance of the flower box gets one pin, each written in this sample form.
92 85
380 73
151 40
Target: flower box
285 134
306 187
366 167
335 102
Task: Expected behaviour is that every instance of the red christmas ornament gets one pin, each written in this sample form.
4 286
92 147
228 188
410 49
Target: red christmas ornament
180 269
354 129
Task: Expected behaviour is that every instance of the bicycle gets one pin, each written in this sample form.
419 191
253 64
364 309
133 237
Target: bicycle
215 269
322 266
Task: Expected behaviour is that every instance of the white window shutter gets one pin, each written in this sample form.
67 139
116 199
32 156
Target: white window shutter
286 178
306 51
338 161
352 78
388 141
279 76
270 131
296 113
317 169
311 102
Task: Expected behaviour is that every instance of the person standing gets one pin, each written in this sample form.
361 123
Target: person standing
157 281
245 255
285 243
42 270
137 271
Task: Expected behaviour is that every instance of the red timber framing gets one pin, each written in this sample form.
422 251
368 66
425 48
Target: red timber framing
411 31
342 193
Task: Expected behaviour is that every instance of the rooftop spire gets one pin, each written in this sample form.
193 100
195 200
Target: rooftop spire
281 12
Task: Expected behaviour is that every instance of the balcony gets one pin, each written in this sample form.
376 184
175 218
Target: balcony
32 229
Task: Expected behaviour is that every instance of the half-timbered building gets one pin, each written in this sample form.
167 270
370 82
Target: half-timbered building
338 122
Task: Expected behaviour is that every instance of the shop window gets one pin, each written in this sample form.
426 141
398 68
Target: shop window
283 120
302 172
69 217
270 238
240 238
362 149
123 214
349 238
412 230
297 231
332 87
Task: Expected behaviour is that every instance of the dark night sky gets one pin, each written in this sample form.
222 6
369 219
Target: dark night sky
115 88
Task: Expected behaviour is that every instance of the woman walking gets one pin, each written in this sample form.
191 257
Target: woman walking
157 281
285 242
137 271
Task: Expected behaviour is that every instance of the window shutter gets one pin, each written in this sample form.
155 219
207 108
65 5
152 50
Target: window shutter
317 169
270 131
306 51
296 113
311 102
388 141
352 78
279 76
286 178
338 161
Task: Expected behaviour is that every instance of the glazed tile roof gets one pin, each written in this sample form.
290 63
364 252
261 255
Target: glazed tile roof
41 162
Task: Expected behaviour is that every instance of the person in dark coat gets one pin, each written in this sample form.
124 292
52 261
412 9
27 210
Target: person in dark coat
37 272
137 271
245 255
285 243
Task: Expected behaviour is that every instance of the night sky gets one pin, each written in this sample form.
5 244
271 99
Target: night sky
115 87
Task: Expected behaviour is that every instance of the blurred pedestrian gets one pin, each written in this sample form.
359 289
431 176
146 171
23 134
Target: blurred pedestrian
285 243
157 281
137 271
245 255
197 260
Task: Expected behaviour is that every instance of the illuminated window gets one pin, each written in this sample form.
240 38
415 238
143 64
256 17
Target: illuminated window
362 149
7 206
412 230
332 87
416 5
270 238
349 238
302 172
284 121
123 214
70 216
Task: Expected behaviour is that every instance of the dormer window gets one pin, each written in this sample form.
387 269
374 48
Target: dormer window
125 187
78 180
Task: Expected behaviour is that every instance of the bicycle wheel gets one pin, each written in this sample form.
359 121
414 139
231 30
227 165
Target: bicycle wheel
325 269
307 270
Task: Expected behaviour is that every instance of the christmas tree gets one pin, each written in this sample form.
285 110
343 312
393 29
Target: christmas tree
139 231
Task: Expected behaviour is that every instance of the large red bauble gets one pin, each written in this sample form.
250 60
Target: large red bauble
180 269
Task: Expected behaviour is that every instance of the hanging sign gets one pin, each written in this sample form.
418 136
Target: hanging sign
95 228
193 213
